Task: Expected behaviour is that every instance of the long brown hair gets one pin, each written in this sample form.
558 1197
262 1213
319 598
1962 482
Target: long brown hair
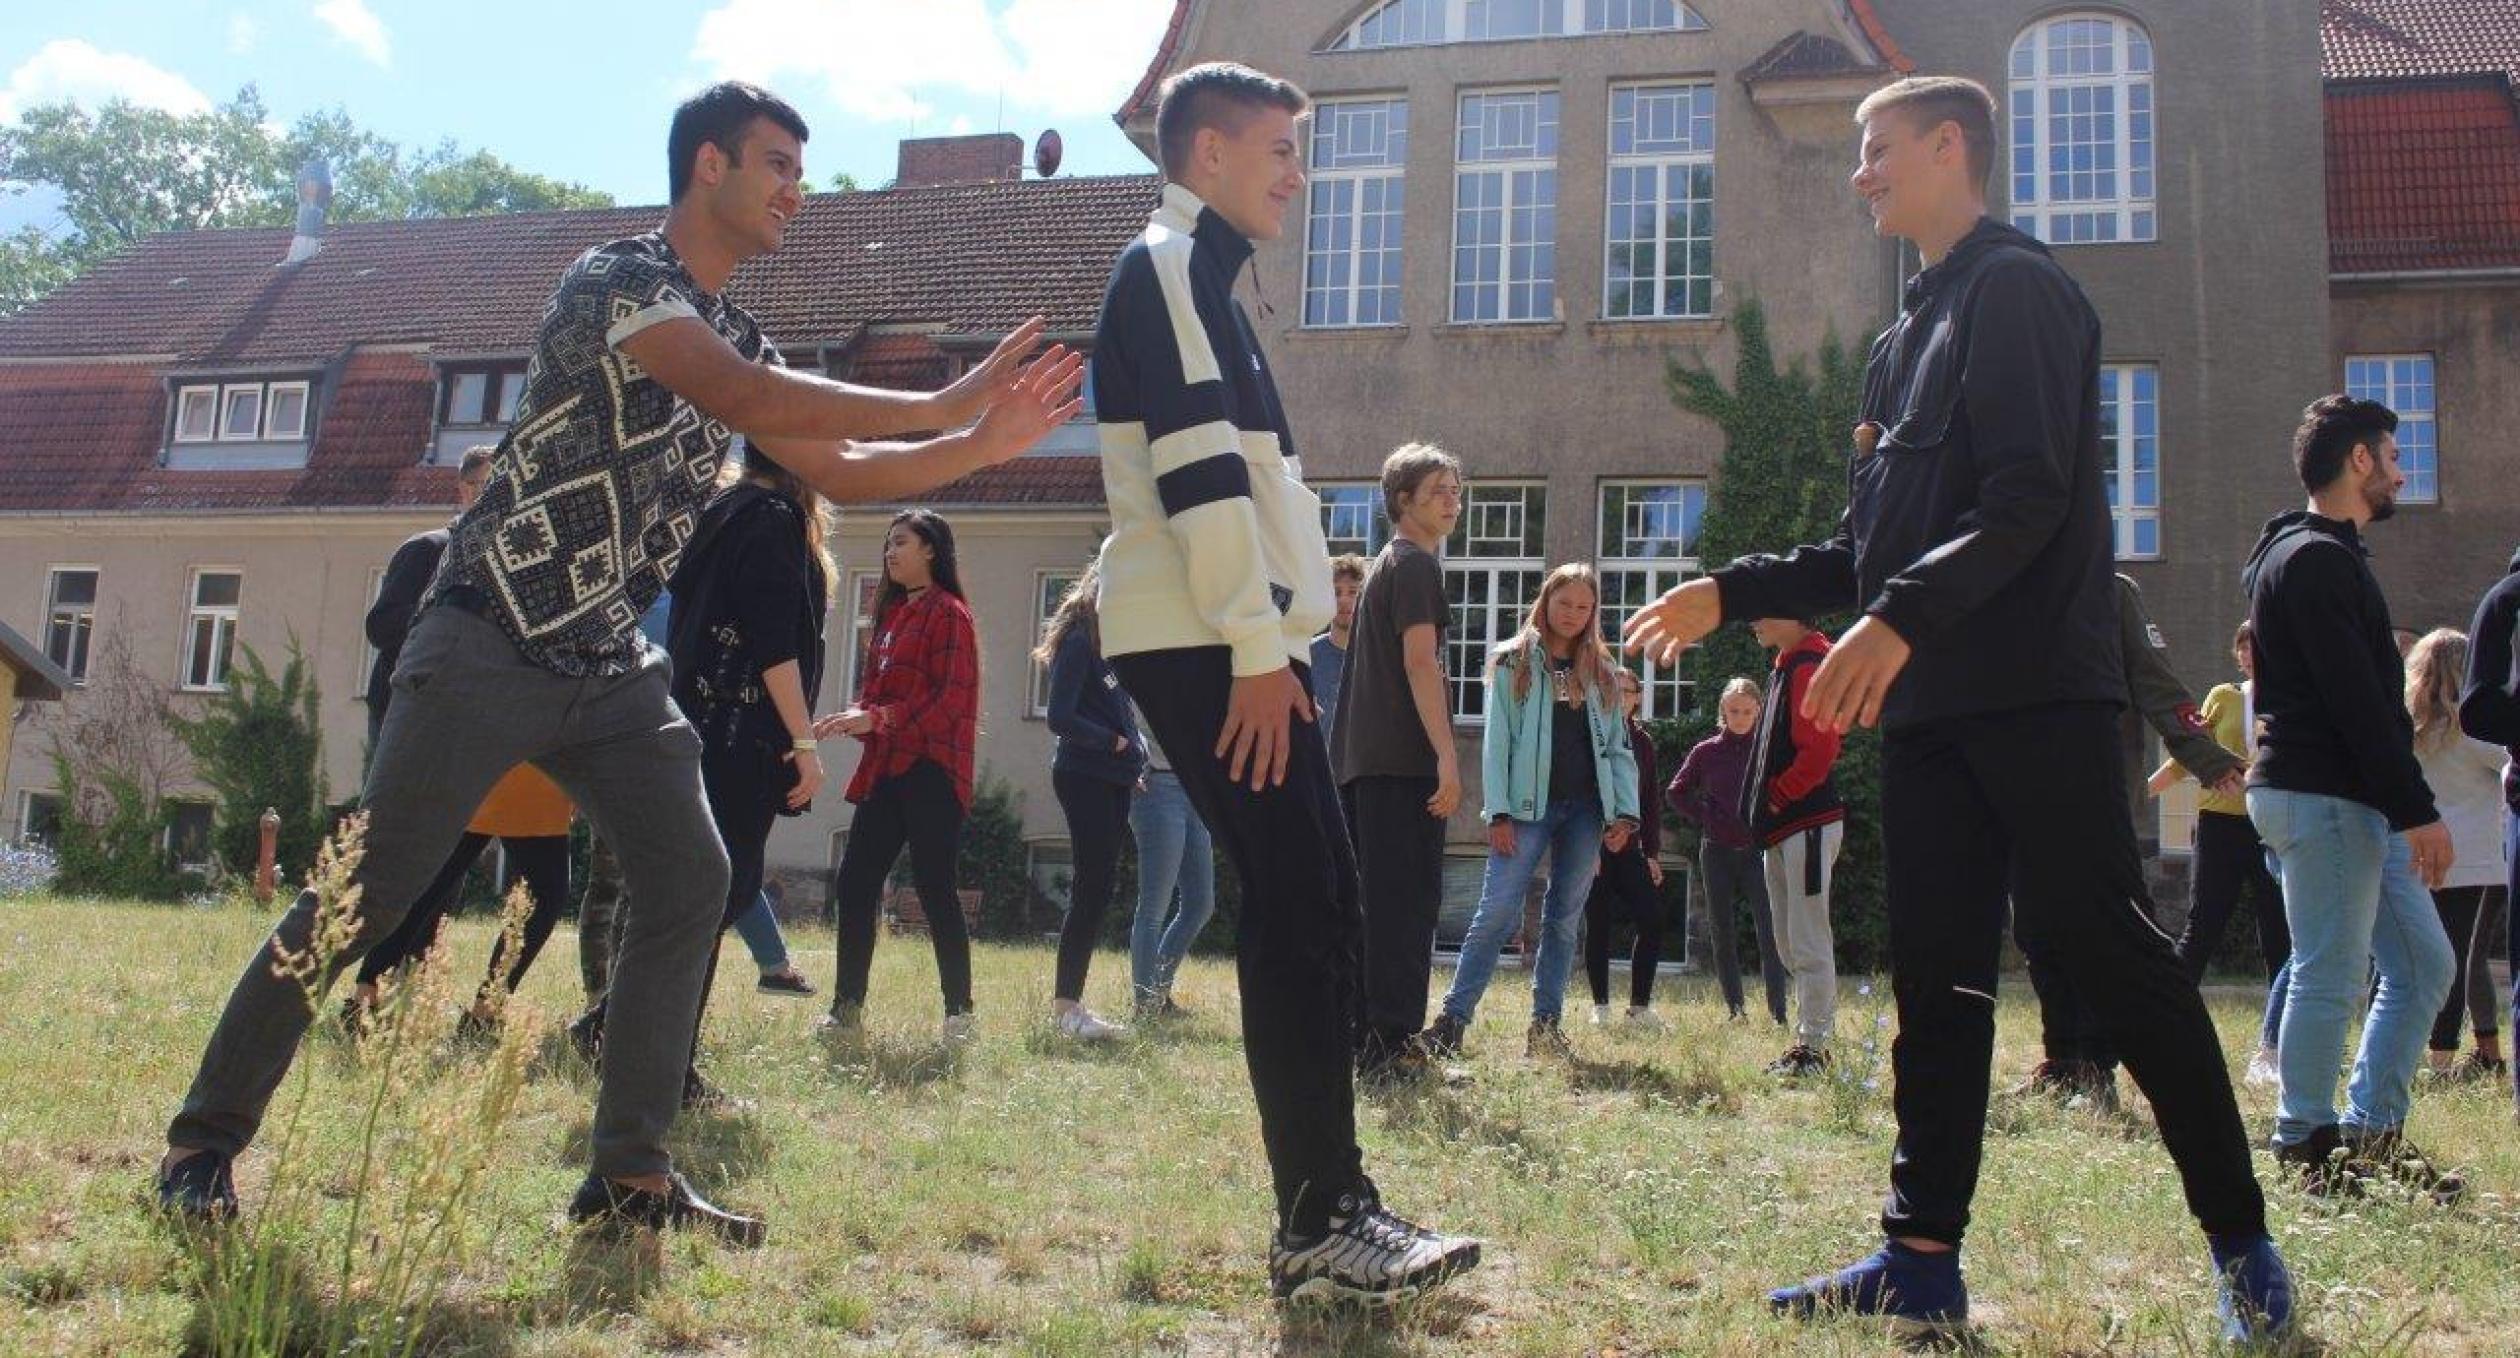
764 470
1522 651
2434 671
1076 608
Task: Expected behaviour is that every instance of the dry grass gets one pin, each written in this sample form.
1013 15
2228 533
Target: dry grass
1029 1198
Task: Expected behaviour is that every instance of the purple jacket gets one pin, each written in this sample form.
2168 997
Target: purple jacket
1706 792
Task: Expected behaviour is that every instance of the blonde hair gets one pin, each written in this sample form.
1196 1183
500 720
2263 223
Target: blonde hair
1929 101
1593 662
2434 671
1077 606
1741 687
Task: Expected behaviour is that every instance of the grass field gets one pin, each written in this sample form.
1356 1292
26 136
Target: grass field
1029 1197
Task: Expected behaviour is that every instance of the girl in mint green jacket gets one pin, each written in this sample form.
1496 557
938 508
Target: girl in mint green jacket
1558 779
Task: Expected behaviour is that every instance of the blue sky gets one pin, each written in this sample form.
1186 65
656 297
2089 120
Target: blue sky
557 91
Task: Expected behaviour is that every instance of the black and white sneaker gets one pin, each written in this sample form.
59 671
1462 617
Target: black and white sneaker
1367 1257
199 1189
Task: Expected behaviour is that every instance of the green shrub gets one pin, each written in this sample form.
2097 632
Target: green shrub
259 744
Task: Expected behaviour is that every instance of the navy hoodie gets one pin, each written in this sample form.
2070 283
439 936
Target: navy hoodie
1089 713
2331 689
2489 705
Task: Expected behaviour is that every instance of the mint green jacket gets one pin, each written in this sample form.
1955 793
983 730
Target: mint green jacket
1514 752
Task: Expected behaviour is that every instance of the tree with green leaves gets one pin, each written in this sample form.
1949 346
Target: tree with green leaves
1782 482
259 744
125 172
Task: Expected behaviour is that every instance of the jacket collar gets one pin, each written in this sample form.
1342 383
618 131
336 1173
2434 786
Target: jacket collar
1986 235
1186 212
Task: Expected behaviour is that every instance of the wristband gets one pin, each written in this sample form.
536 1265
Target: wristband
804 745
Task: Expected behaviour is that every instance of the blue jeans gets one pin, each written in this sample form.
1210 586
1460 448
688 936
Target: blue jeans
2278 985
759 929
1173 847
1569 832
2351 896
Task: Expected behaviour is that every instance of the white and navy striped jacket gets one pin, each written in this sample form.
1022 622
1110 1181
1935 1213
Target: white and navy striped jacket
1215 541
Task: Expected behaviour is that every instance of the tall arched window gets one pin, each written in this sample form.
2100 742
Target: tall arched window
2082 130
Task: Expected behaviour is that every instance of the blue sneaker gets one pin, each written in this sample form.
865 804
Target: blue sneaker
1921 1294
2256 1290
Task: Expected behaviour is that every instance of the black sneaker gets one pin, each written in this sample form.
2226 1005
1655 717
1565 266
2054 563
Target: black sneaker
2071 1084
586 1037
789 981
2390 1156
198 1189
606 1205
1799 1060
1367 1256
1443 1037
700 1096
1545 1040
2319 1163
1382 1063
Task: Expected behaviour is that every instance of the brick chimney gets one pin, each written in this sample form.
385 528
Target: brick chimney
988 157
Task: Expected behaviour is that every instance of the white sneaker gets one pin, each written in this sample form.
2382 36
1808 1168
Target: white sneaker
2262 1071
1645 1021
1600 1015
961 1029
1084 1025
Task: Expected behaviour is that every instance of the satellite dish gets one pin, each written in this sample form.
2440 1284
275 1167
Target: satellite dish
1046 153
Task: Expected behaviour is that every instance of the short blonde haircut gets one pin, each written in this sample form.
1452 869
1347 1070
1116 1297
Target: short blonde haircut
1742 687
1932 100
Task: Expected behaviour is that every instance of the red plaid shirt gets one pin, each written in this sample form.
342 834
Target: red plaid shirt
922 685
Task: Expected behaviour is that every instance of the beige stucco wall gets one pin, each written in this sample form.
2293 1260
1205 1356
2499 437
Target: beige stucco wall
311 576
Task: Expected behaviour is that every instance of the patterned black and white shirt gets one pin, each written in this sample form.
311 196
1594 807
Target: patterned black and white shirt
603 475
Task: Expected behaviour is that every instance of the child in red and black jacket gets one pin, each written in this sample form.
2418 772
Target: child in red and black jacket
918 712
1798 821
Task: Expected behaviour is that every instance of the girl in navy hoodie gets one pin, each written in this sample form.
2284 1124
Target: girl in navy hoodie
1095 771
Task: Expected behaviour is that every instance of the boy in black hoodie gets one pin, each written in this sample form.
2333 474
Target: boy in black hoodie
2339 798
1977 543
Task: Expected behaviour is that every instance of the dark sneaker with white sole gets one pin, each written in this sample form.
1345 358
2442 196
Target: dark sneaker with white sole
1366 1257
200 1189
605 1205
787 982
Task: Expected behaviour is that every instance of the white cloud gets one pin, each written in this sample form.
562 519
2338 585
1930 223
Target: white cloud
354 23
888 61
69 69
242 32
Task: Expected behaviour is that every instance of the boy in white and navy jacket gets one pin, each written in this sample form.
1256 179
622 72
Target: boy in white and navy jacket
1215 580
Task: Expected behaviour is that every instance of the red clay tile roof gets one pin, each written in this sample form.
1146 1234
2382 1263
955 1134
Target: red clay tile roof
385 300
1029 481
2394 39
2423 175
1806 56
1878 34
1141 101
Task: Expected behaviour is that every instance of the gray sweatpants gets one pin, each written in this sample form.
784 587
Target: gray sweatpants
1799 869
468 706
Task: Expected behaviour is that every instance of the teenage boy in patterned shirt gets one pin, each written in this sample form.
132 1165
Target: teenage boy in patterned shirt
527 647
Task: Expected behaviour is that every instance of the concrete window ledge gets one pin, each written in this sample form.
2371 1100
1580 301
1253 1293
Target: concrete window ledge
1347 334
1504 330
1650 334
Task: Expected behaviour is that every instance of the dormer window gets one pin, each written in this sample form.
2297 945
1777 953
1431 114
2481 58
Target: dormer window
482 397
245 424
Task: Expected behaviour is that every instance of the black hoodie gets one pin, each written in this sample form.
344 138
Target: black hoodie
2489 705
2331 689
1977 521
748 596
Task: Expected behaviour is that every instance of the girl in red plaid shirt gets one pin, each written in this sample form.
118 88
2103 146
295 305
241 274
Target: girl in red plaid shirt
918 712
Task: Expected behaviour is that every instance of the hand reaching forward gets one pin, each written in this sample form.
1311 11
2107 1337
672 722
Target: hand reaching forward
1040 400
972 393
1848 688
1661 630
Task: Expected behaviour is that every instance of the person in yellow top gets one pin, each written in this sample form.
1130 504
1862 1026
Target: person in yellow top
2229 860
529 815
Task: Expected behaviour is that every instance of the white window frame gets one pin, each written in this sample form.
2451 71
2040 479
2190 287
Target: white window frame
1663 165
1049 586
863 586
1451 24
2417 403
1339 508
223 619
2130 214
1630 580
208 394
1334 171
26 810
79 619
228 396
271 398
1490 591
209 837
1547 105
2127 507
